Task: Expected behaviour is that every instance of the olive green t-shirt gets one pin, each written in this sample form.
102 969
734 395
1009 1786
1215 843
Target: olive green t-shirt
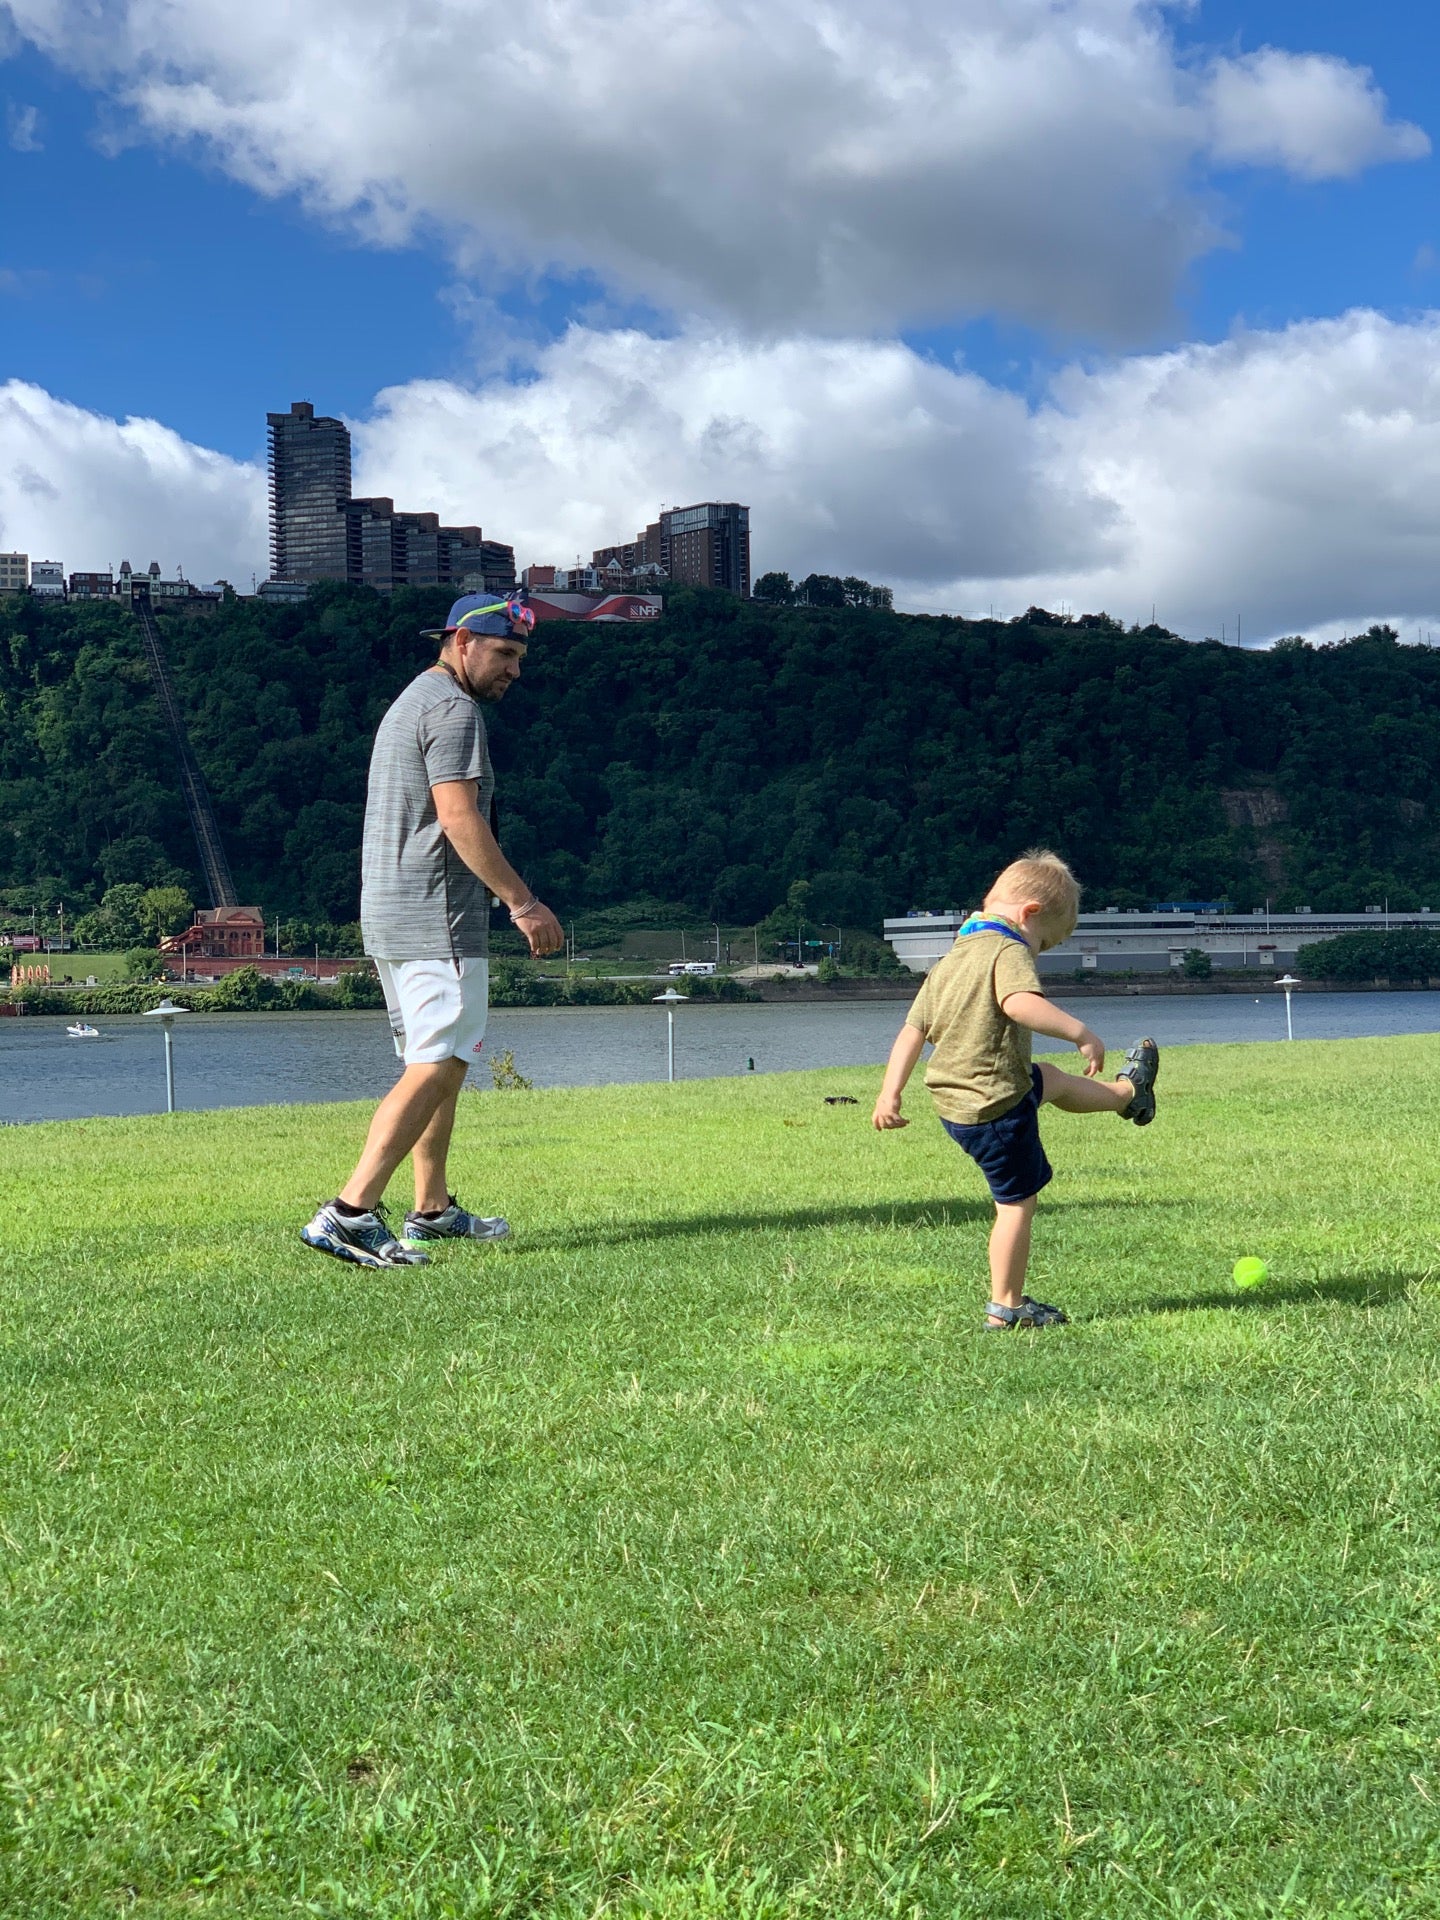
981 1063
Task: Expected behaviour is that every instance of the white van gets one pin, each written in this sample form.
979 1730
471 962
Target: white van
698 966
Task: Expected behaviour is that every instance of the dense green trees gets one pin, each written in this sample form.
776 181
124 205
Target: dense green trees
1401 954
718 756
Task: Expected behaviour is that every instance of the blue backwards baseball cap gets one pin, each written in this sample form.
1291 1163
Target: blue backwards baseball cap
474 613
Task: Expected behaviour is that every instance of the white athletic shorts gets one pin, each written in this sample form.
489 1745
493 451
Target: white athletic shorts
438 1008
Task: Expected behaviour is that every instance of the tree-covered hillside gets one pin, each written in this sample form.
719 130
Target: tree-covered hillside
719 755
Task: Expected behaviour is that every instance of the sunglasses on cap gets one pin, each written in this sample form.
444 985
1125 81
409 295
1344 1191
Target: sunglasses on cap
515 611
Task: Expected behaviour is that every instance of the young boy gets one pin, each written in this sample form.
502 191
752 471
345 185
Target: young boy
978 1008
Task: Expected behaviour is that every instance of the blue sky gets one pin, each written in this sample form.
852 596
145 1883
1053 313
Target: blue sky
790 293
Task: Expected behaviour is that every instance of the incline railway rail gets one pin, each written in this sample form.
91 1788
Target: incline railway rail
192 781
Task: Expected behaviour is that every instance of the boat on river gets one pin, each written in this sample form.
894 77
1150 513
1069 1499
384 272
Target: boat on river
82 1030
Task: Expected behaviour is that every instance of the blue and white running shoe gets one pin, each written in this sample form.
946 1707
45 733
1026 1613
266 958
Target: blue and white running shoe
453 1224
364 1238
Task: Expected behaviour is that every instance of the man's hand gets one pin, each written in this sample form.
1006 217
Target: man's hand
541 929
477 846
887 1115
1092 1047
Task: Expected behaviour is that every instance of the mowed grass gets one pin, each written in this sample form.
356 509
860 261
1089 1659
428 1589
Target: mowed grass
696 1554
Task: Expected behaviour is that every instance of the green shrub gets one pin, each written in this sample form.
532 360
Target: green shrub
357 989
707 987
1196 964
505 1076
1404 953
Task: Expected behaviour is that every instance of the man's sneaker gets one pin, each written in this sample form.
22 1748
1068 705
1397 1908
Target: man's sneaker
364 1238
1141 1069
453 1224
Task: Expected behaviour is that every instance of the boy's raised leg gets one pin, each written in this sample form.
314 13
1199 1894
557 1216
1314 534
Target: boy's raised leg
1073 1094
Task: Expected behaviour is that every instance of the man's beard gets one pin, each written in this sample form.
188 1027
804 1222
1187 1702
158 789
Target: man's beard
488 692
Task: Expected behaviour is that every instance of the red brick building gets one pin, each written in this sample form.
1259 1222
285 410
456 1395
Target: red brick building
224 933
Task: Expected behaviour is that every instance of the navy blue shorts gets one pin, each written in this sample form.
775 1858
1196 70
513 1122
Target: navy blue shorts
1008 1150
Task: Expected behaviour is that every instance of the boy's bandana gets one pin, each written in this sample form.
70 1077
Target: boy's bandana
976 925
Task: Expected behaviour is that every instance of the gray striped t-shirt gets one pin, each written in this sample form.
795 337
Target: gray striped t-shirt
418 899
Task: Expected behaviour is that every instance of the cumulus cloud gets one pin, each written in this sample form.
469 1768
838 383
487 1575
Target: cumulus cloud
89 491
780 164
1315 116
845 449
1291 479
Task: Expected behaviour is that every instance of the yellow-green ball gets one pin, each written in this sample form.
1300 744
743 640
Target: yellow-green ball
1250 1273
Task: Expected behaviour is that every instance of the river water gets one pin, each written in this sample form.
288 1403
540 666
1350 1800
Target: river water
235 1060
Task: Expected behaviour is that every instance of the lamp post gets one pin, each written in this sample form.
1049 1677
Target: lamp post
1289 983
716 925
165 1013
670 999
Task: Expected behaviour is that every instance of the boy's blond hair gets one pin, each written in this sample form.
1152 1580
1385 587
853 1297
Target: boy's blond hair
1041 876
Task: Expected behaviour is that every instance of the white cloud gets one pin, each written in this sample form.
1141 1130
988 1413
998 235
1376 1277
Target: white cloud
90 492
844 449
22 128
1291 479
780 164
1313 115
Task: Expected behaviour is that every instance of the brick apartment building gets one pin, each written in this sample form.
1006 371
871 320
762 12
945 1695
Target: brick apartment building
707 545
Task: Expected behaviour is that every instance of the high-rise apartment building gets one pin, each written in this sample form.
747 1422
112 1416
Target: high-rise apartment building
318 531
309 495
701 546
14 572
708 546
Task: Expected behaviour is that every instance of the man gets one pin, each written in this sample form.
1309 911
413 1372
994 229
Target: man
429 866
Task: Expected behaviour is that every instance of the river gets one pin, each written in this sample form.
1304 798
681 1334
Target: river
241 1060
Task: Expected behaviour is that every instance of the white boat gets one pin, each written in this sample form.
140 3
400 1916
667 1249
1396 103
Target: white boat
82 1030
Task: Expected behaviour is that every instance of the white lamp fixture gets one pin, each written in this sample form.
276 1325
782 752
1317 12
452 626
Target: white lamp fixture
1289 983
670 999
165 1013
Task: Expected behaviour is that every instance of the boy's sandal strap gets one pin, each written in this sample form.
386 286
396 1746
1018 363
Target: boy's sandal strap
1043 1315
1007 1316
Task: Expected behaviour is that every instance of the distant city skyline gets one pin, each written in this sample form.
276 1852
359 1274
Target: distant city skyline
321 530
1111 305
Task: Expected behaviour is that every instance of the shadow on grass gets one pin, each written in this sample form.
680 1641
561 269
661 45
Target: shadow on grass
1350 1289
903 1213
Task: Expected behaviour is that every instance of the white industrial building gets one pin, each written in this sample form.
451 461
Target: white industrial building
1124 941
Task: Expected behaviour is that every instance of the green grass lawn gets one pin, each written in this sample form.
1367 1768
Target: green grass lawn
695 1554
105 966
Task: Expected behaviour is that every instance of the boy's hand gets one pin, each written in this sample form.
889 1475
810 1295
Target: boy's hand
1092 1048
887 1115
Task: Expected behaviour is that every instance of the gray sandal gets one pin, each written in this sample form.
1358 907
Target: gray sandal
1029 1313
